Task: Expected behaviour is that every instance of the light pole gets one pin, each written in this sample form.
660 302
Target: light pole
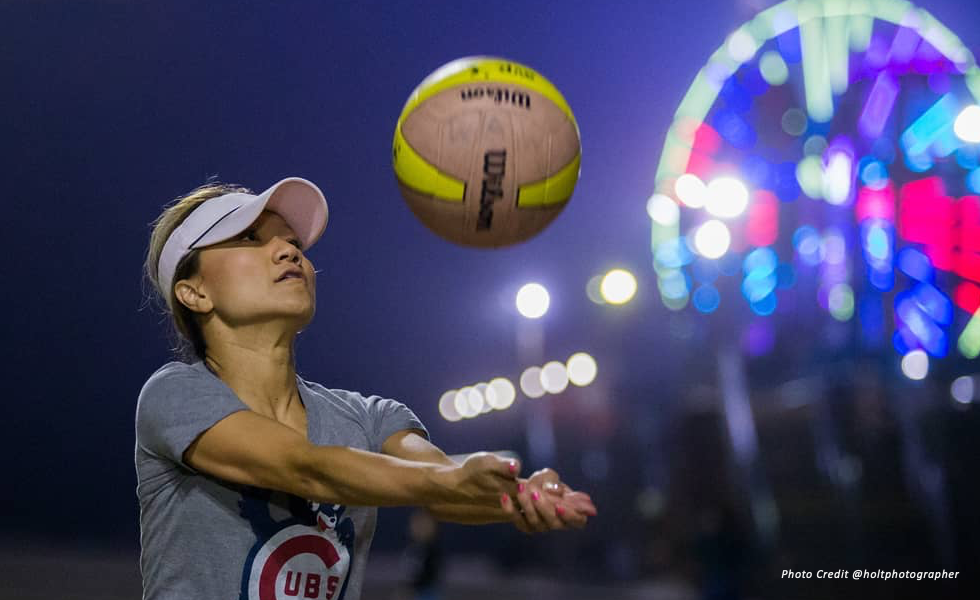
532 303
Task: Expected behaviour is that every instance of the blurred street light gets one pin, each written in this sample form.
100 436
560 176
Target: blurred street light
582 369
533 300
712 239
618 286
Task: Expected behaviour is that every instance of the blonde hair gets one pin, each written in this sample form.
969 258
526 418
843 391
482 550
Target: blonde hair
189 343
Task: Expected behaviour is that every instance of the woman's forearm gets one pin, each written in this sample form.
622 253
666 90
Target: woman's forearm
341 475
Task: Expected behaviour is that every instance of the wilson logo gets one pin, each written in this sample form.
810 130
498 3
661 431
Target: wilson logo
498 95
494 162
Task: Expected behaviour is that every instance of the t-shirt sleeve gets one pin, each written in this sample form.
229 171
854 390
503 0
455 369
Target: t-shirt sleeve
389 416
176 405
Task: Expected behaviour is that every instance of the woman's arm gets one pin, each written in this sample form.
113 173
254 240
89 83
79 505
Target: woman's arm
410 445
248 448
542 503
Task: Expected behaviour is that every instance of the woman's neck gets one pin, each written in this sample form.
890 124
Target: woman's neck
265 379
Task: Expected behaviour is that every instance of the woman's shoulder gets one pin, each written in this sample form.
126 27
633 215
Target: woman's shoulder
175 370
354 400
178 376
325 393
176 366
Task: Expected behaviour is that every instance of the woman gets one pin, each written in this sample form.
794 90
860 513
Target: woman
253 481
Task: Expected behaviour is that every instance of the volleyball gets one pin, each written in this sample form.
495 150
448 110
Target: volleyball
486 152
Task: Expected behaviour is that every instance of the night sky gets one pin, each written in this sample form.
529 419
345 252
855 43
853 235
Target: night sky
112 108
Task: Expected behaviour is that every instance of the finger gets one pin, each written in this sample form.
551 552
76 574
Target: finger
578 510
567 490
530 511
515 515
581 501
493 483
547 474
571 517
506 468
547 511
552 487
506 487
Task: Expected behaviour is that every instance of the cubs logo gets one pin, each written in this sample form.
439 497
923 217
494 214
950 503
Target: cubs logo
305 556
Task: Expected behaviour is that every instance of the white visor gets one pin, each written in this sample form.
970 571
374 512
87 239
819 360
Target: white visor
298 201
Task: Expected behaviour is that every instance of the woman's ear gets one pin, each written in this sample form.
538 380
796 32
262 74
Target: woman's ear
191 293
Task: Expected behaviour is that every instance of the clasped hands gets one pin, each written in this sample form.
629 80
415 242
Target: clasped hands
539 503
544 503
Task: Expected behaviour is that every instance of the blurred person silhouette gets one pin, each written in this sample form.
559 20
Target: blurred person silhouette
425 556
721 548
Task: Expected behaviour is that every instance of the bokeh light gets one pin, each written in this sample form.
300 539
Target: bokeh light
691 190
874 174
806 240
592 289
840 302
500 393
741 45
466 405
815 145
727 197
969 342
809 174
712 239
838 178
474 397
480 399
967 124
531 382
833 247
706 298
533 300
663 210
794 122
554 377
773 68
582 369
447 407
915 365
618 286
963 389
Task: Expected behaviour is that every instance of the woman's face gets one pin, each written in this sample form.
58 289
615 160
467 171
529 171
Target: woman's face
242 278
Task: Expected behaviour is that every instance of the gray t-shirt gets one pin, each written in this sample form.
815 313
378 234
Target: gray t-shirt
204 538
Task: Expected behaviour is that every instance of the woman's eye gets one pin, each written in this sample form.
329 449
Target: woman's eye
296 243
249 235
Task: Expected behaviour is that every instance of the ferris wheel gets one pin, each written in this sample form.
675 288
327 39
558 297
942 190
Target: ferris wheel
825 163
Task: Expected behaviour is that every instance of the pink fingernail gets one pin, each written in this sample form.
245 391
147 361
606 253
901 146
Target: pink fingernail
504 499
535 496
513 467
560 509
520 488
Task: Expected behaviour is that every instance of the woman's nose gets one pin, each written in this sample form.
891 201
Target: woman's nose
287 251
